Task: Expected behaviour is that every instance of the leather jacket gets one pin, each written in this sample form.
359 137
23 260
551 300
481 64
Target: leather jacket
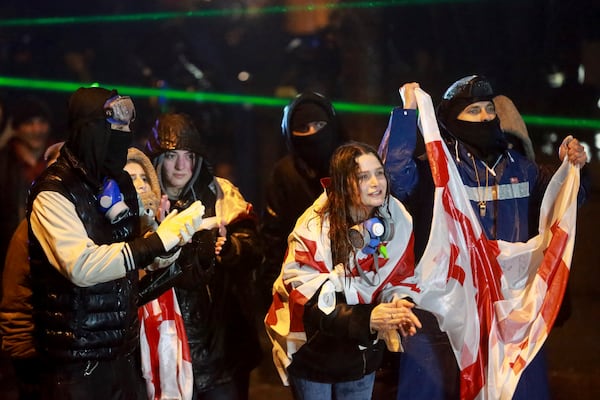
214 293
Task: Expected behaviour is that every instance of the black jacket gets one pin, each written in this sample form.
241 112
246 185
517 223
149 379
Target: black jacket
215 294
331 353
289 193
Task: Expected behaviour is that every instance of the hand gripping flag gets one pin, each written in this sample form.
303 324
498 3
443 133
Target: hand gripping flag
166 360
496 300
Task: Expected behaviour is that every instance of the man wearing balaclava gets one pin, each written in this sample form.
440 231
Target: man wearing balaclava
311 130
505 187
85 249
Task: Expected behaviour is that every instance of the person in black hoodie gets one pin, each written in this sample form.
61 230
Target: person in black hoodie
212 276
312 133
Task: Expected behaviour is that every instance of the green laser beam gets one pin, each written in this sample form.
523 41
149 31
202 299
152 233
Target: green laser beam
261 101
561 122
251 11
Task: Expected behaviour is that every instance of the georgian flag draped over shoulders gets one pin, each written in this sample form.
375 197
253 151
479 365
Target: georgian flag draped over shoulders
308 266
496 300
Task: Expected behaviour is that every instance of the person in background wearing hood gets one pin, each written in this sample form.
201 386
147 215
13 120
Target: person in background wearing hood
312 133
85 249
495 160
212 276
20 162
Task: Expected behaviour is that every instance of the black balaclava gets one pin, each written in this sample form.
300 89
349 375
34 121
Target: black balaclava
316 149
484 139
102 150
116 153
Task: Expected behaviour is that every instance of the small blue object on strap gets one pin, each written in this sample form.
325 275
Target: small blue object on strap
111 201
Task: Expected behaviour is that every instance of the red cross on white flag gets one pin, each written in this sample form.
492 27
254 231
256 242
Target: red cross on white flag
165 353
497 301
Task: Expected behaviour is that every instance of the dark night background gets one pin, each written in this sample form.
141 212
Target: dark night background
361 54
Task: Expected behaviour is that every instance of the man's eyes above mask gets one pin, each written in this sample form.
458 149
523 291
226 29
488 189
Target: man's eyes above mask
311 127
319 124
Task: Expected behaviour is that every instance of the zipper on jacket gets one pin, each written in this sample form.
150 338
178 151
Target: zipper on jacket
209 293
364 357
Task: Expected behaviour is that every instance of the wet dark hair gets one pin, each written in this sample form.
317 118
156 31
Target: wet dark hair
343 195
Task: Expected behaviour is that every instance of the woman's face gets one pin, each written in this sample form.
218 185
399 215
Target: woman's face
177 169
138 176
372 184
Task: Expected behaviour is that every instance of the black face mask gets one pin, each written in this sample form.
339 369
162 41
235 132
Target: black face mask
116 153
316 150
484 139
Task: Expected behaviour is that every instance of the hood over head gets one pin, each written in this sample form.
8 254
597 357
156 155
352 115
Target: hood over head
174 131
314 150
150 199
461 93
102 150
177 131
484 139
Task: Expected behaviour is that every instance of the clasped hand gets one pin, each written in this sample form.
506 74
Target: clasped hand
395 315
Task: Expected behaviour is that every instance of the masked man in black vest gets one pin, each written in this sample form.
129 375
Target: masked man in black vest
85 251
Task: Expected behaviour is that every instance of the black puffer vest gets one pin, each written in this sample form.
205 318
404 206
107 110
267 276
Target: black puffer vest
74 323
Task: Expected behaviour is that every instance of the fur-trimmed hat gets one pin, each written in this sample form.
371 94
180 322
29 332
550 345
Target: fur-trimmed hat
150 199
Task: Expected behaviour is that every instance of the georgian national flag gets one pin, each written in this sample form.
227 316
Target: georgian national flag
497 301
165 353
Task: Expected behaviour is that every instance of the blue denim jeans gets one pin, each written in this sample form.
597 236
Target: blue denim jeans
361 389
